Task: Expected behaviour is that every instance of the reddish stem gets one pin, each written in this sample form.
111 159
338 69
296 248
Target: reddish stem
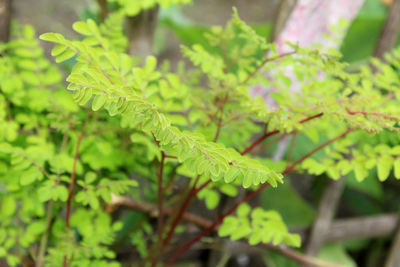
373 114
249 196
182 210
194 190
160 197
291 167
214 224
268 134
73 177
219 124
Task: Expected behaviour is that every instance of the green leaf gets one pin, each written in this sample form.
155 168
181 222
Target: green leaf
337 254
98 102
151 63
52 37
228 226
243 210
248 179
90 177
3 252
28 177
62 192
231 174
212 199
229 190
81 28
384 166
360 171
58 49
67 54
9 206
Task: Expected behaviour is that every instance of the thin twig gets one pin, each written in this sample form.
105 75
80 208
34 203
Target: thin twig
73 177
43 241
376 114
265 61
220 122
151 209
181 212
291 167
266 135
160 197
249 196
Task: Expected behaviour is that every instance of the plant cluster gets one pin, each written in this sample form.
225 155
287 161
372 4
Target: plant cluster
169 137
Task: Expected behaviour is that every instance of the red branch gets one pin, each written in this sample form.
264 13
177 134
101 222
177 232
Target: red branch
373 114
160 197
268 134
249 196
181 211
195 190
73 177
291 167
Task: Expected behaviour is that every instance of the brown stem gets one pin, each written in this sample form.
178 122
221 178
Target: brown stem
220 123
249 196
182 210
214 224
376 114
160 198
151 209
73 177
291 167
340 230
268 134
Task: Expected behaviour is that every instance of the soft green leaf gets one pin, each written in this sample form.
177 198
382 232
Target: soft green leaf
384 166
98 101
81 28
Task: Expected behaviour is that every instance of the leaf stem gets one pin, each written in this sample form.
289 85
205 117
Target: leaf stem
291 167
160 197
44 239
249 196
265 61
73 177
376 114
202 222
182 210
268 134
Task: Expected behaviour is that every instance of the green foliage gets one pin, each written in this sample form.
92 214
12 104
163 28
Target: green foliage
132 7
124 92
262 226
37 146
139 123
